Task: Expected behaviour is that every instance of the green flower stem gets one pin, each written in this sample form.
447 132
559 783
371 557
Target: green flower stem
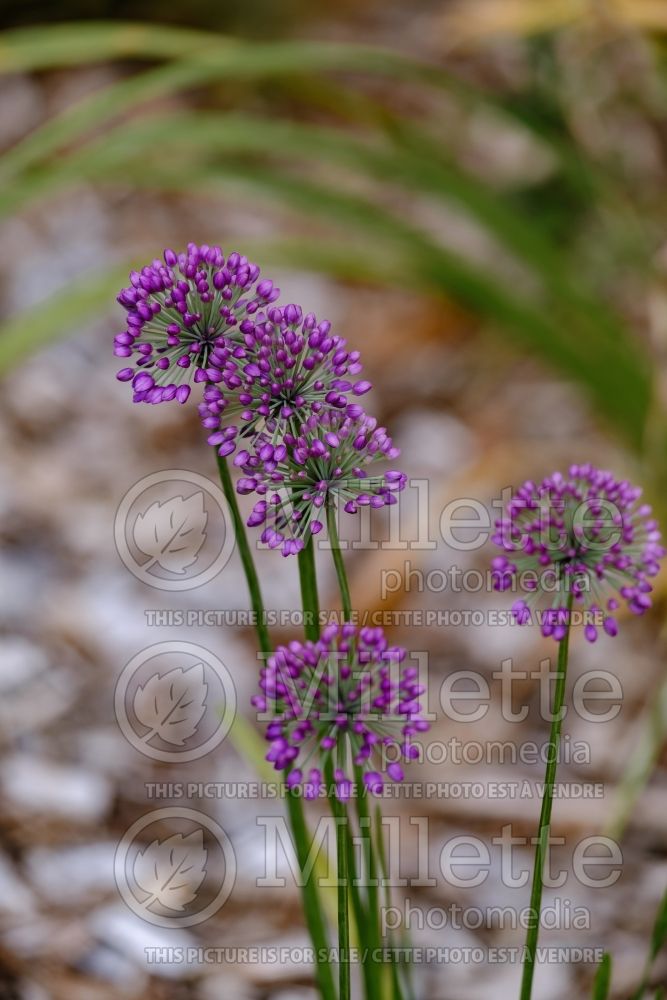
396 992
246 556
311 608
311 611
373 967
338 562
343 914
545 815
360 914
311 901
339 813
309 598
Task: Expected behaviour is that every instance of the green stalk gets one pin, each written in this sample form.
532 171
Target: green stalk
339 813
384 875
338 562
311 901
545 815
246 556
361 916
309 599
343 914
358 909
311 608
311 611
372 969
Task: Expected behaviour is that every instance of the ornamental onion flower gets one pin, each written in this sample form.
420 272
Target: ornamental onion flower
347 697
285 367
587 534
323 463
178 312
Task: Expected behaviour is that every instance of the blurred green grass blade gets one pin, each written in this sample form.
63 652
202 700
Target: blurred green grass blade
621 393
251 747
651 730
416 172
350 261
658 939
621 384
60 313
602 981
425 173
659 936
97 110
79 42
94 111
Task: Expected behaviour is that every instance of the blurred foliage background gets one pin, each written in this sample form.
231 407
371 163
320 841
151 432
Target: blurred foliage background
502 161
383 156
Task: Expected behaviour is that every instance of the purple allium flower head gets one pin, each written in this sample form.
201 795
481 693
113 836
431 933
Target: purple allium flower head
177 314
323 463
585 534
284 367
347 697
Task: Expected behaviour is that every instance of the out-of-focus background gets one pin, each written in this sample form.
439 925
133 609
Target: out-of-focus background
474 195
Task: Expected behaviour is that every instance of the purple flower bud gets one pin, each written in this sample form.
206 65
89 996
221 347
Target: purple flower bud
361 387
142 382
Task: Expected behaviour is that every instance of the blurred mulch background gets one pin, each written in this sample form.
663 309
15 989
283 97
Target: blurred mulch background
472 412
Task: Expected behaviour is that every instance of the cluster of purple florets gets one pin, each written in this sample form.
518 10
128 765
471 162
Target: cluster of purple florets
589 534
278 388
324 461
347 701
180 313
284 368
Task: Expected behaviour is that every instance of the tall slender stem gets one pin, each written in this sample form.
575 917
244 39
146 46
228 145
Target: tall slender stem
343 586
361 915
246 556
339 813
309 597
311 608
384 874
343 911
311 900
533 931
372 968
